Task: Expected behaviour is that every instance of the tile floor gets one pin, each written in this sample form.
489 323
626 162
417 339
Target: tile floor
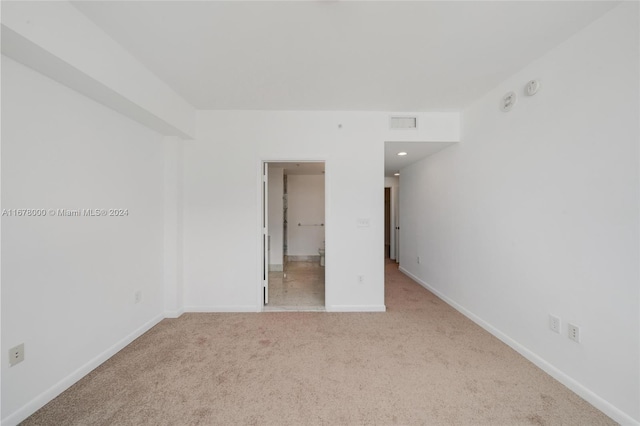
299 288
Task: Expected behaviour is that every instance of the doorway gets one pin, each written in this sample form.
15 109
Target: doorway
293 236
391 218
387 223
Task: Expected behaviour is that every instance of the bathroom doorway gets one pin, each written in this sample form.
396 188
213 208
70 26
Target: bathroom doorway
293 236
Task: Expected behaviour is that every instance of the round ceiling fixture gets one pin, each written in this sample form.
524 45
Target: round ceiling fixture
402 153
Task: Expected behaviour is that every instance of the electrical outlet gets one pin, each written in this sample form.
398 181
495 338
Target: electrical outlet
363 222
361 279
574 332
137 297
554 323
418 259
16 355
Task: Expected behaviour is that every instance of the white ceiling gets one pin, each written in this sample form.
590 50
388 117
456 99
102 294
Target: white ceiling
416 151
338 55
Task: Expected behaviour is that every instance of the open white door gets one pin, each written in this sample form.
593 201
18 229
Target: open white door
265 233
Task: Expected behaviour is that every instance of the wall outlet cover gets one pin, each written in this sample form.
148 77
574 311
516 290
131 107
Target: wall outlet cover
16 354
554 323
363 222
573 332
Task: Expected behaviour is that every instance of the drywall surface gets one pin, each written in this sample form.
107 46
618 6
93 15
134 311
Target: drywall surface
306 214
222 200
68 282
276 219
536 213
222 203
59 41
173 291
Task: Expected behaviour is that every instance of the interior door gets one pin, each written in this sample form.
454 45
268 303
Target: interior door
265 233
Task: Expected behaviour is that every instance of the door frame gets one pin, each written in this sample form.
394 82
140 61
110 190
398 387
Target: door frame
263 209
264 231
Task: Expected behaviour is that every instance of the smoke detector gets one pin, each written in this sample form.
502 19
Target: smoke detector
532 87
508 101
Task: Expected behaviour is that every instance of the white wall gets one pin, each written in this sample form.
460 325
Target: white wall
222 200
536 213
59 41
68 283
276 219
173 253
306 206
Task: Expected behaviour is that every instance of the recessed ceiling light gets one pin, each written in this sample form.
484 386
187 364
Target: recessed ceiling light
396 174
402 153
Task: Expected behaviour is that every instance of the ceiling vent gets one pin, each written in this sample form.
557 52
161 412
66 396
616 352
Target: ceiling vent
397 123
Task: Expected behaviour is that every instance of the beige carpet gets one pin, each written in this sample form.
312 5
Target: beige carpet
419 363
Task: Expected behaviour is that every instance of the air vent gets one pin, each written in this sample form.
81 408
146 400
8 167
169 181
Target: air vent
403 123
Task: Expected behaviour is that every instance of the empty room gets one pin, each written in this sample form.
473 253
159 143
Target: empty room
320 212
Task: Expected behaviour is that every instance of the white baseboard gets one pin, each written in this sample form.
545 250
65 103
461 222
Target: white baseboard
48 395
601 404
304 258
173 314
276 267
224 308
356 308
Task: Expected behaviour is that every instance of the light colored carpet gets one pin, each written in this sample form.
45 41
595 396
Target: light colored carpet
419 363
